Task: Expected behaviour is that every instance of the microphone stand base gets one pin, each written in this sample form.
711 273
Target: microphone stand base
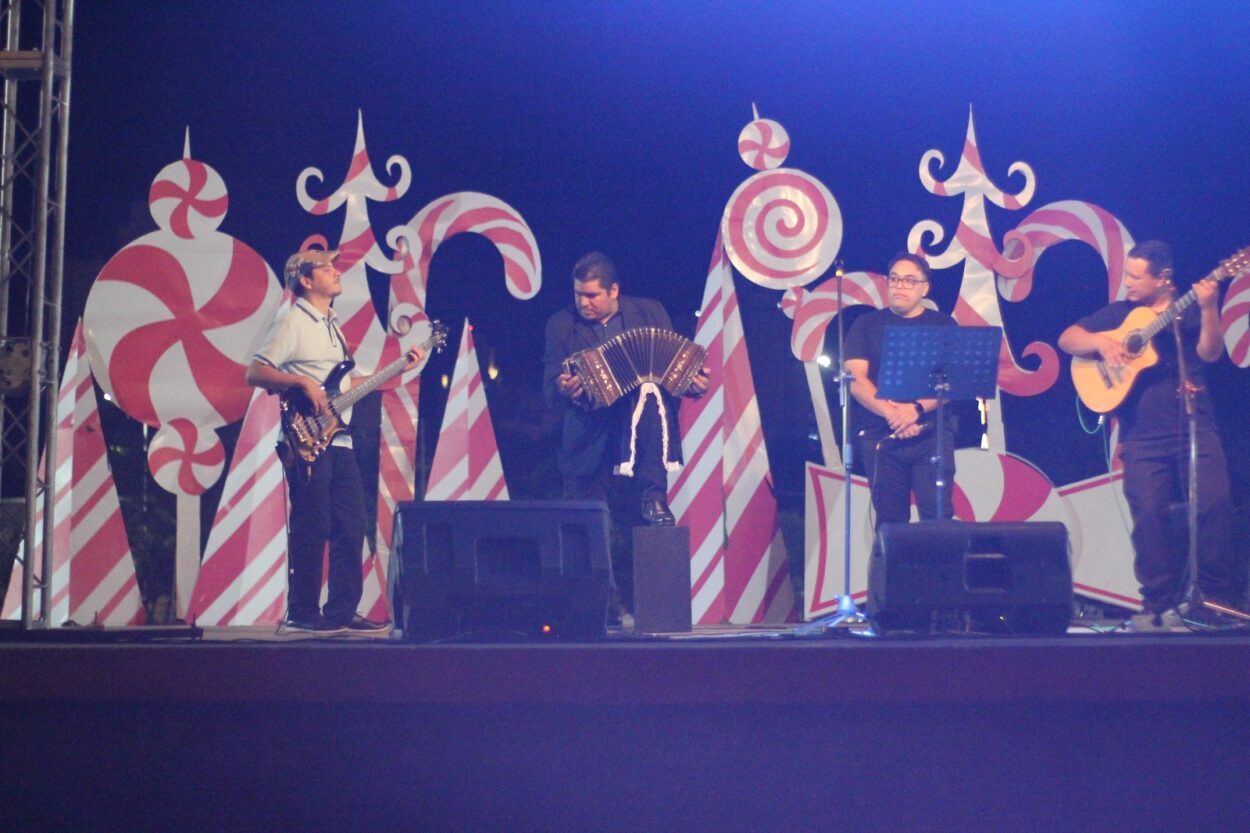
847 616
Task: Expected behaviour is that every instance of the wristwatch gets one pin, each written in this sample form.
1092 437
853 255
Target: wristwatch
919 408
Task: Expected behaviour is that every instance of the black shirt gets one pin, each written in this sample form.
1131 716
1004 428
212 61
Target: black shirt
864 341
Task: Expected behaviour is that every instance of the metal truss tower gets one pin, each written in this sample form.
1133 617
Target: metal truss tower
34 137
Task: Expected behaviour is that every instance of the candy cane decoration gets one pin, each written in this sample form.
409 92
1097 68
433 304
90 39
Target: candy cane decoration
814 309
415 244
1058 222
1235 316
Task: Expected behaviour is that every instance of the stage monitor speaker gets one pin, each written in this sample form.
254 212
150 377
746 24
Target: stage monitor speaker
1012 578
501 569
661 579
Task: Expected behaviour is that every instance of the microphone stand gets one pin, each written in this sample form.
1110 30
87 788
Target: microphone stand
1193 598
941 390
1193 593
847 613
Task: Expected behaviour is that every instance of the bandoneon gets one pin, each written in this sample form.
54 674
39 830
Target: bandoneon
637 356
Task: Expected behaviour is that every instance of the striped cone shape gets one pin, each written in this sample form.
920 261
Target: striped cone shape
724 495
93 573
396 475
466 463
242 579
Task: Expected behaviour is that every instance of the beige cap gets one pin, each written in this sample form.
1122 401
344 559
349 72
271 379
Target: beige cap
302 263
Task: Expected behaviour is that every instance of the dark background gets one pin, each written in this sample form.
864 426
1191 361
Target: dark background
614 126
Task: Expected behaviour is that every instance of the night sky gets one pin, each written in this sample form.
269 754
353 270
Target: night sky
614 126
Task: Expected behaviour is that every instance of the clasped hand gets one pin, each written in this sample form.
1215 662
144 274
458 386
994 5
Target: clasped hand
903 420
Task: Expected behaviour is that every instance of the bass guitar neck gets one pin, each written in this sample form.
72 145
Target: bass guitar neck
309 433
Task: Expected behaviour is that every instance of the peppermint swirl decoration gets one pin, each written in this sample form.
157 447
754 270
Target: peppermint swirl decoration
782 228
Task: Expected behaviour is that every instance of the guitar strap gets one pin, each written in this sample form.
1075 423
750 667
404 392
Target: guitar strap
337 333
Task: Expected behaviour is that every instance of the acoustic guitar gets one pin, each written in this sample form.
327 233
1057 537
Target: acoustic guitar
1103 388
308 434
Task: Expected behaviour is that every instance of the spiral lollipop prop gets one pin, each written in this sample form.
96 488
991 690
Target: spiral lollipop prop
782 228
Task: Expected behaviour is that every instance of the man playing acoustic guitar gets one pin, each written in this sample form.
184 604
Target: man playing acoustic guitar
1153 425
299 352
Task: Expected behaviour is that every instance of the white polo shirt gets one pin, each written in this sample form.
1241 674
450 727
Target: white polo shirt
306 342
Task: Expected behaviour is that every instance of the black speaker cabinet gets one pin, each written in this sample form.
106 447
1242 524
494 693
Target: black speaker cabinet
1011 578
501 569
661 579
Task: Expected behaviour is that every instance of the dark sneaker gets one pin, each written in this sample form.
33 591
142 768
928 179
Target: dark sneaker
360 626
318 625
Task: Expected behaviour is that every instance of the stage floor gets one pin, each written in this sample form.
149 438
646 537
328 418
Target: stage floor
722 730
719 664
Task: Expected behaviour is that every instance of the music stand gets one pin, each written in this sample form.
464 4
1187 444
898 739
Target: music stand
943 363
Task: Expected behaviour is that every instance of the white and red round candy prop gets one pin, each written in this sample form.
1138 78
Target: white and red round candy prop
188 198
184 459
173 320
782 228
764 144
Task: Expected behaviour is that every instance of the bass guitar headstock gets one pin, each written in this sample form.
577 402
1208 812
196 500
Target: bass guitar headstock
438 337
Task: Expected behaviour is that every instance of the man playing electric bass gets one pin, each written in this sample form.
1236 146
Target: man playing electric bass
1153 426
298 353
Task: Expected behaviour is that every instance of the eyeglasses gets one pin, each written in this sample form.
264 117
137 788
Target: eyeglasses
905 282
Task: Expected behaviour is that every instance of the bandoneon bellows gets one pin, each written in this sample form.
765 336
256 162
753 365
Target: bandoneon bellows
637 356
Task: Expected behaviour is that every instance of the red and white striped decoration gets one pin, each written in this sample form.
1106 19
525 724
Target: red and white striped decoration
242 580
374 603
782 228
466 463
1060 221
974 247
1235 316
372 345
813 309
93 578
724 494
763 144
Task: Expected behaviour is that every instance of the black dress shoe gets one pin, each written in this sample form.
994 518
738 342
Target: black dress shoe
656 513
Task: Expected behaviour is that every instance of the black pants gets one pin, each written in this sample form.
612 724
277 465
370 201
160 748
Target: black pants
1155 472
896 468
327 504
649 482
650 478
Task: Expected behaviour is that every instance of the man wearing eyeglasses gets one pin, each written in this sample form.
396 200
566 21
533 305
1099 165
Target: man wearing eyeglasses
897 440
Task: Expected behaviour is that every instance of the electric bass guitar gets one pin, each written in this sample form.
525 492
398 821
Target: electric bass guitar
1103 388
307 433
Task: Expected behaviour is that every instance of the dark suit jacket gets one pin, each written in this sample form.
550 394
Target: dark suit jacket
589 434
